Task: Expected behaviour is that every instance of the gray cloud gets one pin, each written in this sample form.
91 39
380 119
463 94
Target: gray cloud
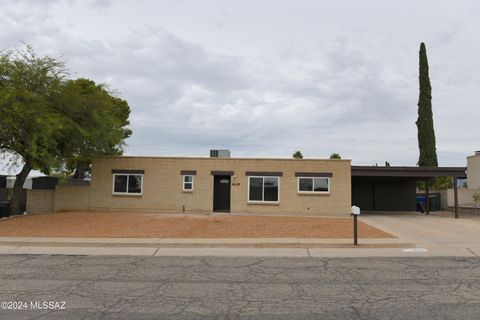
219 75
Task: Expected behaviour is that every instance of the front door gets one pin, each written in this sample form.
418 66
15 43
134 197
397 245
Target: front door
221 193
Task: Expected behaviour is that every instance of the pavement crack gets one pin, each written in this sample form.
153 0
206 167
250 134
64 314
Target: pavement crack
473 252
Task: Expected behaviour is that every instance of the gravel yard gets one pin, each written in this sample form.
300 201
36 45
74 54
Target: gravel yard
154 225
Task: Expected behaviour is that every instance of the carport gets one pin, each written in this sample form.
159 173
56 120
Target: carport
386 188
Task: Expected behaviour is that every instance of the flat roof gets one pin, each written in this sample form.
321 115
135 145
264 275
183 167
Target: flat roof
410 172
219 158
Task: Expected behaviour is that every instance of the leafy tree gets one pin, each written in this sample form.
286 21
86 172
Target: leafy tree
426 133
335 156
28 117
48 121
297 154
439 183
443 183
96 124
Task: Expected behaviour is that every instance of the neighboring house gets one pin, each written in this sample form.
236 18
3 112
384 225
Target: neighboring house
466 195
473 169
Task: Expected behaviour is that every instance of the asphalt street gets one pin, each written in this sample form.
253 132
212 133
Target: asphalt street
114 287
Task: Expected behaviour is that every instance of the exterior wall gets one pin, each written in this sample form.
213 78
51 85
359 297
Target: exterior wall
39 201
162 185
71 197
444 199
65 197
465 197
473 172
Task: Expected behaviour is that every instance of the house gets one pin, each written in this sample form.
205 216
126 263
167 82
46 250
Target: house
473 168
237 185
466 196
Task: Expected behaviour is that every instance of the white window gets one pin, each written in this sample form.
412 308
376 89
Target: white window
188 182
127 184
313 185
263 189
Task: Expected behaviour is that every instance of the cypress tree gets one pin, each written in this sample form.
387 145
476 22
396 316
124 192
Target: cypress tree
426 132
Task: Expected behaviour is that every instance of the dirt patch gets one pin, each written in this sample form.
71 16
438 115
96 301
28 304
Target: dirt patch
147 225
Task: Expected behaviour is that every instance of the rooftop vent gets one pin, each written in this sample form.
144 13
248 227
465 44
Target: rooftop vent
215 153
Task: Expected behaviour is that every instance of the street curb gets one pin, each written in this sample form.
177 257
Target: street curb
208 245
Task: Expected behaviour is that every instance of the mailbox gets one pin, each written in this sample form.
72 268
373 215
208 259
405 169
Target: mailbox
355 210
355 213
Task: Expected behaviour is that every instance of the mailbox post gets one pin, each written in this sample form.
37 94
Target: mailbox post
355 214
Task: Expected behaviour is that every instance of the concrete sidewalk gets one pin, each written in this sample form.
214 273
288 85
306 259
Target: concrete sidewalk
231 247
242 252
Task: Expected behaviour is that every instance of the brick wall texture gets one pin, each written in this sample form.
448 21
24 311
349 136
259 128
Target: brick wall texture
163 188
40 201
71 198
473 171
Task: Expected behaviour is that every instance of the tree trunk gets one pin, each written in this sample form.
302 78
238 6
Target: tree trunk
79 173
19 195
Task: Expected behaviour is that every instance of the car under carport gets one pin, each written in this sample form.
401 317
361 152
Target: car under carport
393 188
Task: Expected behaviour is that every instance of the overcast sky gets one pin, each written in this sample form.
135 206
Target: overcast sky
265 78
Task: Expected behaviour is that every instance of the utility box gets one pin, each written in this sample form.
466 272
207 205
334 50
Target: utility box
219 153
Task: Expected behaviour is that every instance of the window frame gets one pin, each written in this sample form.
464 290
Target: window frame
263 191
128 179
184 182
313 185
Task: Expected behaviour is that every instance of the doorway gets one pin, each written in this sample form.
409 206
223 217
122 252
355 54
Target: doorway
221 193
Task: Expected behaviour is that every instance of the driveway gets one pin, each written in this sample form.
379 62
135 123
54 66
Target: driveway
435 232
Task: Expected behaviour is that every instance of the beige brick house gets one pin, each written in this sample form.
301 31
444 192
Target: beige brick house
236 185
239 186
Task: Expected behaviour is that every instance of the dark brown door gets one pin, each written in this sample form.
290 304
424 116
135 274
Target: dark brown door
221 193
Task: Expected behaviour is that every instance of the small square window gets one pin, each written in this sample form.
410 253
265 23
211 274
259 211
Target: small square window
188 183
